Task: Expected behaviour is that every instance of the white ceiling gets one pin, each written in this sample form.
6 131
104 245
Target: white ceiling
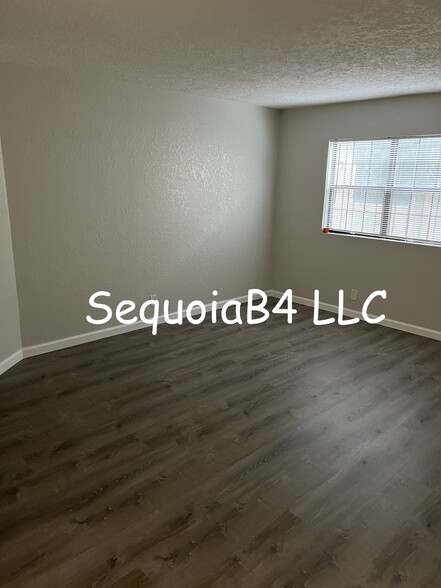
270 52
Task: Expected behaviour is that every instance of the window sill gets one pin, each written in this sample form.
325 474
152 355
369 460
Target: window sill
384 240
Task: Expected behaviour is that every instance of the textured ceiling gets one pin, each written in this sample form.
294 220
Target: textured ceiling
271 52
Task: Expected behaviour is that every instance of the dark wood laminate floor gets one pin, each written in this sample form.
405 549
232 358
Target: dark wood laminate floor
257 456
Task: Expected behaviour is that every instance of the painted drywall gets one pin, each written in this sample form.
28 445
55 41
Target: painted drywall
10 337
305 259
114 186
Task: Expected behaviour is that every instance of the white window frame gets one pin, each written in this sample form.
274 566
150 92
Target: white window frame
383 235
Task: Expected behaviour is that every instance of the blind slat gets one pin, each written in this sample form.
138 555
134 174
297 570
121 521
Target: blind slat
388 188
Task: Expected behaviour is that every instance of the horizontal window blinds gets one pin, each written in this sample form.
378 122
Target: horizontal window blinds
387 188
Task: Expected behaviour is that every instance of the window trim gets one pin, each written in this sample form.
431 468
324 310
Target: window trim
383 236
383 239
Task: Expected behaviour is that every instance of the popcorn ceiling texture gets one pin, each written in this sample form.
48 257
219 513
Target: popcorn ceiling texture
269 52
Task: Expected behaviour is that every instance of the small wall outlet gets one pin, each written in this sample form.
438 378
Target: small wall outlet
153 297
354 294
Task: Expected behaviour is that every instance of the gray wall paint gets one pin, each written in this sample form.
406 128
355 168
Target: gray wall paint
114 186
10 338
305 259
118 187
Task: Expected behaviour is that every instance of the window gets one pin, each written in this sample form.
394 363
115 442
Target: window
385 188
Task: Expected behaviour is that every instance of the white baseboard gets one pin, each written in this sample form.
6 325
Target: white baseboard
407 327
10 361
275 293
41 348
32 350
66 342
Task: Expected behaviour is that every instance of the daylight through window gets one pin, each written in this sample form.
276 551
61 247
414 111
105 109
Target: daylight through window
385 188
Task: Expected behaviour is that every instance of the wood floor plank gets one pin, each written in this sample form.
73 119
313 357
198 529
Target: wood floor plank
269 455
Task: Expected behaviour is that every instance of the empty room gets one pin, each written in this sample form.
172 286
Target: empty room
220 293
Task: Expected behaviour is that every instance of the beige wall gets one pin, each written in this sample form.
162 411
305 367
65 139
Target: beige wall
114 186
10 339
305 259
